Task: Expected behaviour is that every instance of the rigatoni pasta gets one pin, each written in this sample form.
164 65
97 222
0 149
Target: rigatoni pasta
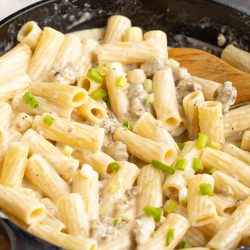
94 151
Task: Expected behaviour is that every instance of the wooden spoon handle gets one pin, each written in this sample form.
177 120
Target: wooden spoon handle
202 64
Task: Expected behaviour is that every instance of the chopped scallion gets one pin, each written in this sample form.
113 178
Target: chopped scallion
170 236
116 222
185 244
171 206
153 212
102 70
98 94
211 170
201 141
31 100
206 189
121 82
67 150
181 164
148 85
94 75
165 168
197 164
115 166
181 145
115 186
150 99
107 100
48 120
214 145
127 125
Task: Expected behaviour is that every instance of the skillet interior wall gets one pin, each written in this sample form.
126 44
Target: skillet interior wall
200 19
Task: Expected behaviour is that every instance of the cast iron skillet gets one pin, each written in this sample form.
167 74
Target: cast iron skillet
181 19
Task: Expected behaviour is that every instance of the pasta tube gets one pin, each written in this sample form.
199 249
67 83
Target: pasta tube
201 208
29 34
92 111
63 95
133 34
164 89
159 37
208 88
96 34
45 53
227 163
14 85
44 106
64 67
42 175
87 84
229 185
225 205
245 143
15 62
129 52
14 164
174 223
117 95
116 186
147 126
85 182
190 105
150 180
232 230
64 240
211 120
73 214
98 160
236 152
236 121
5 115
116 27
65 166
71 133
144 148
24 207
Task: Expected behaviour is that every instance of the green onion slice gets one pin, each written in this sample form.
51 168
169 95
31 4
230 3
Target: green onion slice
197 164
201 141
121 82
115 166
98 94
150 99
165 168
153 212
185 244
48 120
214 145
181 145
171 206
206 189
170 236
94 75
67 150
211 170
127 125
116 222
148 85
31 100
102 70
181 164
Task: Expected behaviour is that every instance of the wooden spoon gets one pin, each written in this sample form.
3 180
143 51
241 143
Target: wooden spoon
205 65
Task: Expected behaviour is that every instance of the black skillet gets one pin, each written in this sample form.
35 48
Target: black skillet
183 20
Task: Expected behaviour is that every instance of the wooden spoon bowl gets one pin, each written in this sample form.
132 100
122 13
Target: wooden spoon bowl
205 65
